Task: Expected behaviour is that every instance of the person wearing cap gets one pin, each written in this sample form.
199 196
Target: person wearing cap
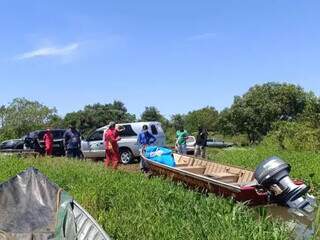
145 139
111 139
48 142
72 142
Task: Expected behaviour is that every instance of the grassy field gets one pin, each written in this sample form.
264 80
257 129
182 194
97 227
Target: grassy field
305 165
130 206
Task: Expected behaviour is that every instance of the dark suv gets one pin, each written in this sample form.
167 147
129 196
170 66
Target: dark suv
58 146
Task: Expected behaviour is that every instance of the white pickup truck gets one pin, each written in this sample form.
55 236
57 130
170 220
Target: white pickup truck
93 146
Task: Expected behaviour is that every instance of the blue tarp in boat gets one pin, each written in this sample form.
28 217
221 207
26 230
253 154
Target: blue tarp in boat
160 155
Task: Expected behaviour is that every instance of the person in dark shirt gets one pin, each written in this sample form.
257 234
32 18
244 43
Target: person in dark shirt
201 143
32 142
72 142
145 139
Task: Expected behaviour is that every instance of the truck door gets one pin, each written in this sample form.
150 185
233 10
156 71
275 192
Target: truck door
95 144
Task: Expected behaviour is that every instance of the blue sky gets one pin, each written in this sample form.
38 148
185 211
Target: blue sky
177 55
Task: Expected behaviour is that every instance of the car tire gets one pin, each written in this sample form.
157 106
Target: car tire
126 156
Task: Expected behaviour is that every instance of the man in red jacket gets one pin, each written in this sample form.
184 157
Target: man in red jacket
48 142
111 139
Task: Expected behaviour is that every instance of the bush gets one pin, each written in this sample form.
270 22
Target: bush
293 136
170 136
239 140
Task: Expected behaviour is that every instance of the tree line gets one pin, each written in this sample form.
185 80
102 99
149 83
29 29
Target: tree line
271 108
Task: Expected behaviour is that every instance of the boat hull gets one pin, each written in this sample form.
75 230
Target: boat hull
248 194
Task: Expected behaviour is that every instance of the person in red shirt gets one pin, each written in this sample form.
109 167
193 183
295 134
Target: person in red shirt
111 139
48 142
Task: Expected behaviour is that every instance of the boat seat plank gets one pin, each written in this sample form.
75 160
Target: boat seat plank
224 177
194 169
182 164
198 162
183 160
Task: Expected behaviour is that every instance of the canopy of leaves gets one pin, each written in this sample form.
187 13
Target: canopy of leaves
178 120
151 114
206 117
98 115
22 116
262 105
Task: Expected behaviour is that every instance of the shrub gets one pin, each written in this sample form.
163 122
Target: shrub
293 136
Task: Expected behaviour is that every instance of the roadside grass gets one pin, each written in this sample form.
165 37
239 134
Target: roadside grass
305 165
130 206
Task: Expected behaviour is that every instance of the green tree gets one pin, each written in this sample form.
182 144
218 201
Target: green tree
311 113
98 115
56 121
2 115
151 114
256 111
178 120
22 116
205 117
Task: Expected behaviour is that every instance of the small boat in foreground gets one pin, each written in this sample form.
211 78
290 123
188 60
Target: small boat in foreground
32 207
270 183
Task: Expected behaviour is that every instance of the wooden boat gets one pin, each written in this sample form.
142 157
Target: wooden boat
203 175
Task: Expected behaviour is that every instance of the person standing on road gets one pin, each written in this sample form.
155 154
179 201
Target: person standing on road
111 139
145 139
181 142
48 142
201 143
72 142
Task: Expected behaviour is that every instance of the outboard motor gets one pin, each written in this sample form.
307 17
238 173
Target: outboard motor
273 174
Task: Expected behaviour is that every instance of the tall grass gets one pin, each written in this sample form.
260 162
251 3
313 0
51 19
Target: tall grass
129 206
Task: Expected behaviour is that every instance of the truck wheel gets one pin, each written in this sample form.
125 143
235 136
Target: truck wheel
126 156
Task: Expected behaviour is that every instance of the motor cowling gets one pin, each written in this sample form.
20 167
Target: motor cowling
273 174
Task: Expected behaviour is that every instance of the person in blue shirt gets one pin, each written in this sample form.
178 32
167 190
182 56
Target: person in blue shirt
72 142
145 139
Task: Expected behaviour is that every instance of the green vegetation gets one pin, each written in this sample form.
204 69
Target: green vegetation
206 117
305 165
264 110
22 116
152 114
130 206
98 115
255 112
293 136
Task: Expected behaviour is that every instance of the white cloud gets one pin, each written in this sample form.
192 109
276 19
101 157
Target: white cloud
49 51
203 36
